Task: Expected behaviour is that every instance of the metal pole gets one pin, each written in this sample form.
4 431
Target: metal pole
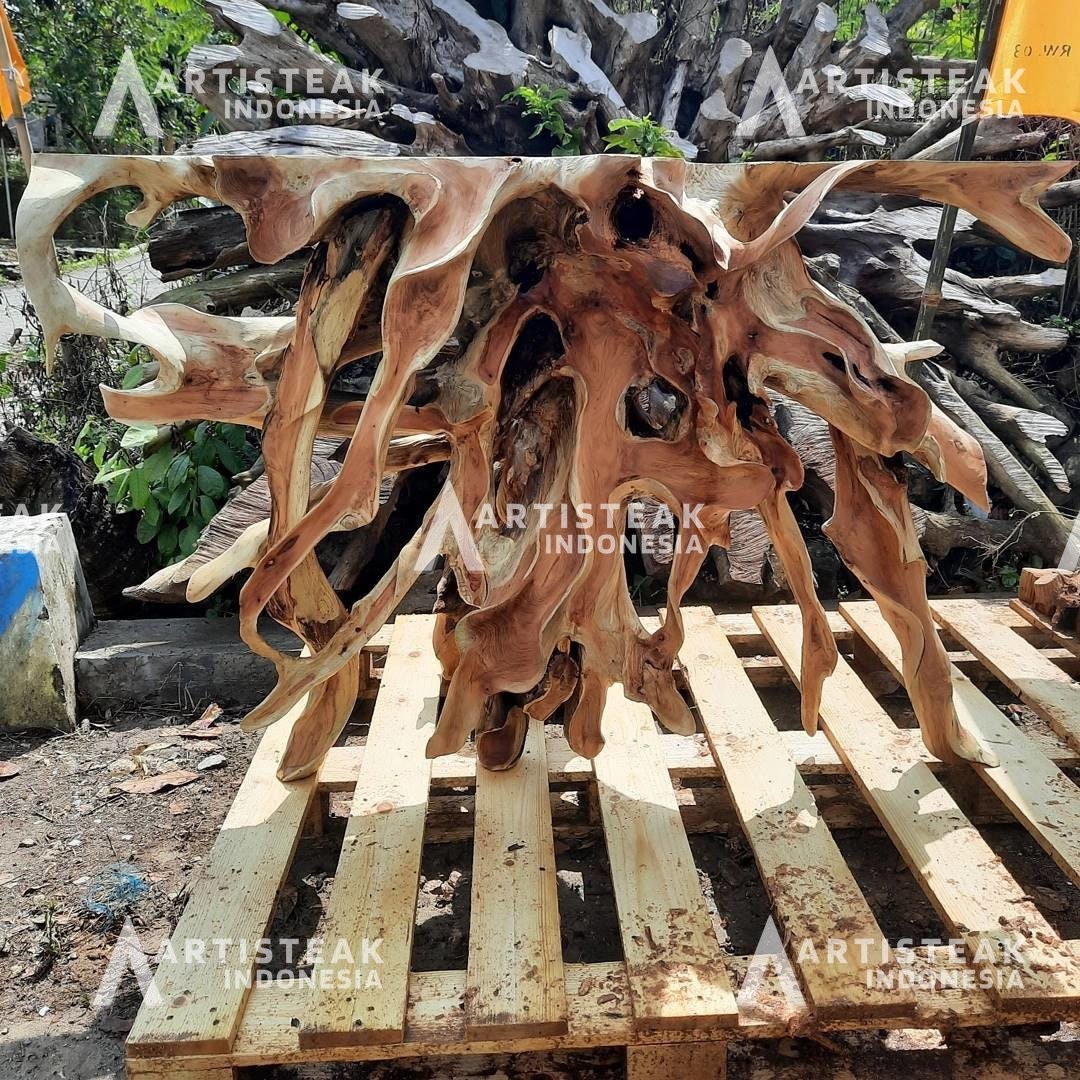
7 190
935 278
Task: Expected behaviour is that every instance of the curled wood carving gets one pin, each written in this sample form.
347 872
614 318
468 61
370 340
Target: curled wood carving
572 335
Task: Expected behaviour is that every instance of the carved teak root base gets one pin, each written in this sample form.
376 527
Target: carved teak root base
571 331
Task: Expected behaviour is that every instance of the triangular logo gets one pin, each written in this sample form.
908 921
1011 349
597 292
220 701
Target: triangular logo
769 973
127 955
128 81
447 514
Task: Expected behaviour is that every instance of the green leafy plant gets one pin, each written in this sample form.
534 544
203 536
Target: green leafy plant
643 136
542 105
176 479
73 48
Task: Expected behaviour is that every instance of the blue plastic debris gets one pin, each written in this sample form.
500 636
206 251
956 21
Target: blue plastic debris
115 890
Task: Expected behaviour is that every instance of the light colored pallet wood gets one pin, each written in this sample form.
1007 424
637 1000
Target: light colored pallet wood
686 757
813 892
1041 796
378 874
515 981
986 629
674 962
197 1007
169 1071
602 1000
684 1061
598 999
968 884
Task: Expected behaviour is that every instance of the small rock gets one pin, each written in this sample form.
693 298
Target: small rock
211 761
787 1048
573 881
454 877
1048 899
730 871
27 841
433 886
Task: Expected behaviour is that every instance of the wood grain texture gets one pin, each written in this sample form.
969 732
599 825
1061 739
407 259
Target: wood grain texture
515 983
1045 801
814 895
571 332
373 905
673 960
199 1004
977 898
687 1061
986 631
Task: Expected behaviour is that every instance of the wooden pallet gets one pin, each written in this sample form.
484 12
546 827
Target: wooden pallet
673 1000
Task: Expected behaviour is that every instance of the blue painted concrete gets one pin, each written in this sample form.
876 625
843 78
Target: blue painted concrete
19 579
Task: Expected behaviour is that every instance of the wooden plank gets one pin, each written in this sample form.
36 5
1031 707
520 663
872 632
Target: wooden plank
515 984
673 960
814 894
975 895
373 902
1019 665
684 1061
1043 798
598 997
198 1005
134 1071
686 757
1040 622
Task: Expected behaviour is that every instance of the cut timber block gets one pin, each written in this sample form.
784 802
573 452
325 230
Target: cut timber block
679 1061
44 611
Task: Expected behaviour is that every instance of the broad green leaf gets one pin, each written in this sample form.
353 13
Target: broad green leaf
138 435
189 537
140 488
166 542
157 465
132 377
177 499
146 530
211 482
177 471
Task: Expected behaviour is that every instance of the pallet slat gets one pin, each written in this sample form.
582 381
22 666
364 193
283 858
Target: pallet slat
600 1015
515 984
674 963
686 757
1043 624
1041 796
1017 663
378 875
687 1061
670 1003
197 1007
968 884
814 894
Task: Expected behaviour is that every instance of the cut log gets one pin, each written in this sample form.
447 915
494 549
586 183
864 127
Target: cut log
1053 594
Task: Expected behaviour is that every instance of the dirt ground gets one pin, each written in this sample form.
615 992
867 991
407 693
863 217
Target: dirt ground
63 822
